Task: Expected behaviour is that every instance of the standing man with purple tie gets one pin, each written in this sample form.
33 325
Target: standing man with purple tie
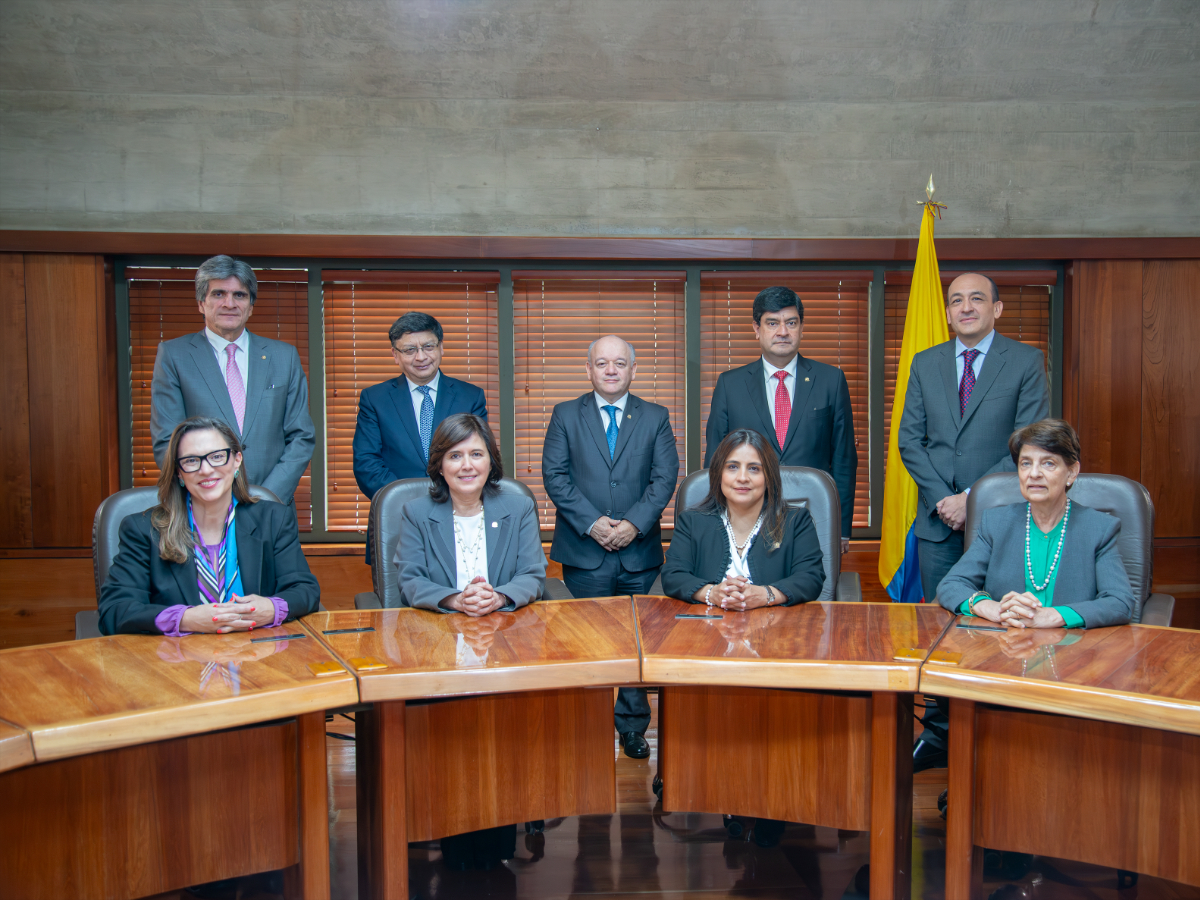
965 397
800 405
253 384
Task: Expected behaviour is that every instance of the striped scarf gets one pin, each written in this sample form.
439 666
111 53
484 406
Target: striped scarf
215 581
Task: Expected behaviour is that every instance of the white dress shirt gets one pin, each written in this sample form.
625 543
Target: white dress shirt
241 356
418 398
619 404
983 347
469 562
772 383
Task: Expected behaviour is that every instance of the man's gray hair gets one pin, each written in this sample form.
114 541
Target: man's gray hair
632 352
221 267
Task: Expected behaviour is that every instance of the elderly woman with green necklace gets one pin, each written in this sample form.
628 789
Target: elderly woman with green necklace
1047 562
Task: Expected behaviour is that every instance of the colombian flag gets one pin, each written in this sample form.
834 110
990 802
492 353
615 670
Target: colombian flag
924 326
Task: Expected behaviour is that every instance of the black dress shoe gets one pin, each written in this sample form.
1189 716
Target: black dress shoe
927 756
635 745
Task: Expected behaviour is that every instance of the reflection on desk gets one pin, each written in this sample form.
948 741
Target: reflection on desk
16 749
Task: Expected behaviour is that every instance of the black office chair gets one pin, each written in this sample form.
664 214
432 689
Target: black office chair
810 488
386 509
1113 494
106 540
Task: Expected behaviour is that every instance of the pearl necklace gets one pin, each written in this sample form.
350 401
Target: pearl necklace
1028 562
469 552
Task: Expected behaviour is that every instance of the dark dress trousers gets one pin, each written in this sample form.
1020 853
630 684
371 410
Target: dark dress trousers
820 431
699 555
141 584
1091 577
387 437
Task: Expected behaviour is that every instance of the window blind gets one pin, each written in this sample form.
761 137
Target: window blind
556 317
835 332
359 308
162 306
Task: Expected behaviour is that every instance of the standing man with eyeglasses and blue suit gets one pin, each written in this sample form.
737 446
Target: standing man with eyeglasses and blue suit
397 418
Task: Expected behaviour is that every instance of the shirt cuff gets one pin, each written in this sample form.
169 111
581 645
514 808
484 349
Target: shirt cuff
168 620
1071 619
964 608
281 611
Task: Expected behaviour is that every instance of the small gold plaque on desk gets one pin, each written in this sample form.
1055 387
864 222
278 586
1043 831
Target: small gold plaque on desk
366 663
329 667
911 653
945 657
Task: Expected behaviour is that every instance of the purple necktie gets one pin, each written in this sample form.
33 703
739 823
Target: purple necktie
968 380
237 390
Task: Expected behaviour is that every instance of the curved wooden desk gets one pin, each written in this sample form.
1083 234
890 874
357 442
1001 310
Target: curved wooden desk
537 743
139 778
1104 728
818 728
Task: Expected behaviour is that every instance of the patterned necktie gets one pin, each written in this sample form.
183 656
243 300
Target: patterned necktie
237 390
968 380
783 408
611 434
426 419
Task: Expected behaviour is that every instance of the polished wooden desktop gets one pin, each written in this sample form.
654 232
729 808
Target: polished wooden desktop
16 749
1074 744
802 714
144 776
519 727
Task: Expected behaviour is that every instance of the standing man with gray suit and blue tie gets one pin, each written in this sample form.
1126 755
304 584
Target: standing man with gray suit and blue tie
253 384
609 465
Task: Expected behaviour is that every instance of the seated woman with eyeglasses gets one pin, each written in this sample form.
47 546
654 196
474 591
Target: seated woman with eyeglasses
209 557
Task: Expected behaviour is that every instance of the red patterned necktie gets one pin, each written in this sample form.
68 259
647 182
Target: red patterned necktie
783 409
237 390
968 380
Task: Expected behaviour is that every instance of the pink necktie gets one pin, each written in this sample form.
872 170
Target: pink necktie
237 390
968 380
783 409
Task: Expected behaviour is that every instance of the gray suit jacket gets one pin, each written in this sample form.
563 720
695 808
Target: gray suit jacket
1091 577
946 453
426 562
278 431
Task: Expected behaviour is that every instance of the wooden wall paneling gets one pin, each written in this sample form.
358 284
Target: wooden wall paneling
1170 421
1070 372
66 398
16 516
1108 324
39 599
106 350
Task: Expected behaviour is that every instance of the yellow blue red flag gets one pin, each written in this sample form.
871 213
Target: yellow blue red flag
924 326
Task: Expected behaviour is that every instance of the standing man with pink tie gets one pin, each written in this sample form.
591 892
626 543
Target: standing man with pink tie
255 385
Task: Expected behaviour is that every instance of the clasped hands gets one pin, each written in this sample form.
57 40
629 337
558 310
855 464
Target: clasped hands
953 510
736 593
240 614
612 534
1019 610
477 599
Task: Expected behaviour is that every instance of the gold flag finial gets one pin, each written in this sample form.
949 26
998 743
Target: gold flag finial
929 188
929 201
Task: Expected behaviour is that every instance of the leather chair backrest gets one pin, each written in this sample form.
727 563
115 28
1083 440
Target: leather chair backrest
106 526
1114 494
386 516
810 488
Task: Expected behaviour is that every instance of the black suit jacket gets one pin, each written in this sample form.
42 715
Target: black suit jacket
699 555
820 431
584 484
141 584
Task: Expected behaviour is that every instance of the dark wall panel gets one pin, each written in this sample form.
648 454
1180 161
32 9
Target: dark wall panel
16 515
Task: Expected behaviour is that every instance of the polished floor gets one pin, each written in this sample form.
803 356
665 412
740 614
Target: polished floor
642 853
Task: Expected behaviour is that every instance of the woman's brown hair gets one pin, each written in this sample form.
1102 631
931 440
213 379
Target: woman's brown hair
775 508
452 432
170 517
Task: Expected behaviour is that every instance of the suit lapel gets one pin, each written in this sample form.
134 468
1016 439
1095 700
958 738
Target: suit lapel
595 424
800 396
993 362
187 579
250 552
402 399
446 395
441 533
756 389
206 363
948 368
258 364
499 538
629 421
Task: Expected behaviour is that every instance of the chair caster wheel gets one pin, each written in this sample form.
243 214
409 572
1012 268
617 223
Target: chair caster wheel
657 786
734 827
537 826
1126 879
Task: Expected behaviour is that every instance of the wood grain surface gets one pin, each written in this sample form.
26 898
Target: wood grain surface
558 643
1135 674
83 696
843 646
16 749
16 486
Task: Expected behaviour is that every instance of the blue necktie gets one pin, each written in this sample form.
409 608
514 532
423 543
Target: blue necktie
426 419
611 434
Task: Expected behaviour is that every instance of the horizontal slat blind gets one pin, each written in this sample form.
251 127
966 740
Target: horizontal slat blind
835 332
162 306
1025 318
359 308
556 317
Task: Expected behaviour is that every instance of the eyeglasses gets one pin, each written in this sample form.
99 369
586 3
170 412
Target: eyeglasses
410 352
216 459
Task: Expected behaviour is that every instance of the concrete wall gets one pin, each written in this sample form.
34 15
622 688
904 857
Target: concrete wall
601 117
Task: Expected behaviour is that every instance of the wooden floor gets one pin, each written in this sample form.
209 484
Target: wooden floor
642 853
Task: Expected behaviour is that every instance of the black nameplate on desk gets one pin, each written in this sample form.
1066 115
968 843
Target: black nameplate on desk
348 630
695 616
980 627
282 637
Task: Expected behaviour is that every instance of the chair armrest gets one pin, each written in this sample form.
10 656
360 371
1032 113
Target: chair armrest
848 588
87 624
556 589
1157 609
656 588
367 600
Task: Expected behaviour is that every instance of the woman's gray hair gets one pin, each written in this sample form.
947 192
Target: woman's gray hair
221 267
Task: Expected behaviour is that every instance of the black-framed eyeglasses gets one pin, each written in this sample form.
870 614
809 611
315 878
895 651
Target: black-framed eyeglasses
216 459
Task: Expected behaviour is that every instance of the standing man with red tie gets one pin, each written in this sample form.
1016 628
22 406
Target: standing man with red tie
800 405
